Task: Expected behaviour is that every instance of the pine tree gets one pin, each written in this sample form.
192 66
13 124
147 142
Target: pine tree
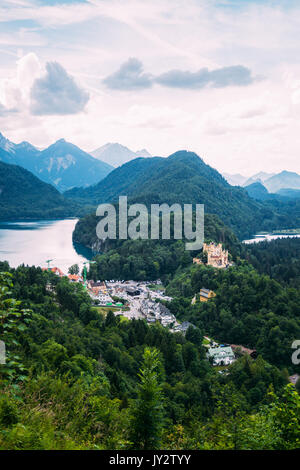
148 412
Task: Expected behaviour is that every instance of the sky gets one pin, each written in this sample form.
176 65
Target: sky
217 77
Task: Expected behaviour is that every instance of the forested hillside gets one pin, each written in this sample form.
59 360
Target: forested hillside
23 195
71 380
280 259
146 259
62 164
184 178
249 308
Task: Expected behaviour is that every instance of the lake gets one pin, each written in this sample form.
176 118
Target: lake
35 242
268 237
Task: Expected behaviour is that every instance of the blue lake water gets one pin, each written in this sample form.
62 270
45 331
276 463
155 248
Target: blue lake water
268 237
32 243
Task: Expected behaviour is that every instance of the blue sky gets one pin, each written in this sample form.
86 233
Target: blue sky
219 77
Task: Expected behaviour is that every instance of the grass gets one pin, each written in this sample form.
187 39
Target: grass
155 287
123 319
104 310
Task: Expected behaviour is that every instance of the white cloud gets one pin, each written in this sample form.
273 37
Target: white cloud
130 76
243 129
40 91
56 92
154 117
14 92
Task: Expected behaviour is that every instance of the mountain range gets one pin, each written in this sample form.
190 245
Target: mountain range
116 154
283 180
181 178
235 180
240 180
274 183
62 164
66 166
258 177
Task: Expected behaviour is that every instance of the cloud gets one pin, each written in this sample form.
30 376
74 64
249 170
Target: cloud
57 93
130 76
236 75
15 90
3 110
154 117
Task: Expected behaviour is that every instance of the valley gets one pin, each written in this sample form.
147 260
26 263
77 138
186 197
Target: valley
149 231
99 308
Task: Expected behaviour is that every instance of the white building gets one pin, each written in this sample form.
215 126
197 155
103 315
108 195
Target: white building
221 356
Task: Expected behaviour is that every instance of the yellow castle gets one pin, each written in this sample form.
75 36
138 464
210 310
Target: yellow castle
216 256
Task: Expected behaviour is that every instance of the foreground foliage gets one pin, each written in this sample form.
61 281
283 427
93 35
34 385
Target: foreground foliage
99 383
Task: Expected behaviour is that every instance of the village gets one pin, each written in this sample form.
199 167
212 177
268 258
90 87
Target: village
146 300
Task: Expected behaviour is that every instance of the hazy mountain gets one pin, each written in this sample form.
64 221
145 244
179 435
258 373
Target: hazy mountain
290 193
257 191
116 154
143 153
235 180
65 165
260 177
283 180
23 195
23 154
62 164
6 144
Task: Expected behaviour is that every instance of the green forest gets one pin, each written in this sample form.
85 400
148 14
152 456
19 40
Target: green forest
184 178
78 377
75 379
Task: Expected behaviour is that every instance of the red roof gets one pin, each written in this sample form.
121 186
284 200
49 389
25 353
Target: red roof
55 271
73 277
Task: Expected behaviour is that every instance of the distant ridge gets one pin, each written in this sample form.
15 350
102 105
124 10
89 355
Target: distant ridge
62 164
258 191
283 180
65 165
260 177
236 179
116 154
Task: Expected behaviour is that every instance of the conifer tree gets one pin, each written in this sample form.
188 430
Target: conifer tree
148 413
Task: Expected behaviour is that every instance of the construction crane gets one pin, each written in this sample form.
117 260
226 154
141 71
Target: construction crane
48 261
85 271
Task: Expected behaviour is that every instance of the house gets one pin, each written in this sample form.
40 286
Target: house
206 294
55 270
74 278
183 327
133 291
221 356
216 256
104 299
97 287
159 312
197 261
